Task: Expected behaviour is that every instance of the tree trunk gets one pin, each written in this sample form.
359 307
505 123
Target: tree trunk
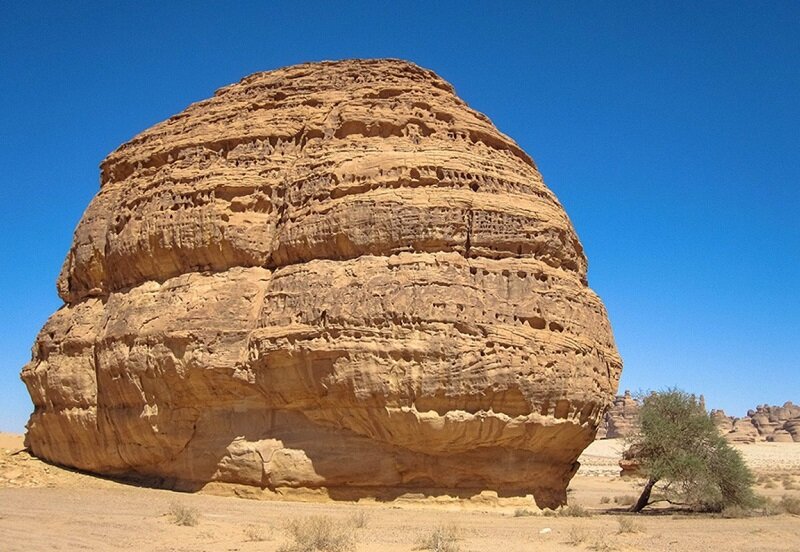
644 499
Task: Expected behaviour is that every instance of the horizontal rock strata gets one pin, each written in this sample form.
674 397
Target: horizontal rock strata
333 275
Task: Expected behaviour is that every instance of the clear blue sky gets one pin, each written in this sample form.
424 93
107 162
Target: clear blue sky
670 131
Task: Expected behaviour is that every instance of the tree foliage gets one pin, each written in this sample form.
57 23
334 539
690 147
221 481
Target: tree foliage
678 446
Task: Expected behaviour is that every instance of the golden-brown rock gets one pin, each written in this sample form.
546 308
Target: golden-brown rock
334 275
780 424
620 419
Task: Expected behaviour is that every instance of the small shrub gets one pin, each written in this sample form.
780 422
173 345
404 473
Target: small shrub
576 510
577 535
441 539
628 525
601 545
318 534
359 519
605 499
523 512
626 500
255 533
769 485
790 505
183 515
547 512
736 512
764 506
768 507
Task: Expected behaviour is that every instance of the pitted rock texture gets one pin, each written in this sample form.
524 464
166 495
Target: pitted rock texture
332 276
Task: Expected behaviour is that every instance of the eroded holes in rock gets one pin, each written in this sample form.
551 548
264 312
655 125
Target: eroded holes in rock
440 174
556 327
587 411
522 274
562 409
415 174
384 94
119 223
474 186
473 270
536 322
445 117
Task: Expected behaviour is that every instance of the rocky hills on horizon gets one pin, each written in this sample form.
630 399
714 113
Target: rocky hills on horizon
778 424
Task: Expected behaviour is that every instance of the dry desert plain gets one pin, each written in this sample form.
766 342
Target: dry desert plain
44 507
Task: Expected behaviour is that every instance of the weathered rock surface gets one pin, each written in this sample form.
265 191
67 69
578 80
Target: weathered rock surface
723 422
333 276
620 420
779 424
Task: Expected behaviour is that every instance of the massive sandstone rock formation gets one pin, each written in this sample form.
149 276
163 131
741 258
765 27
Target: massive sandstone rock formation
333 276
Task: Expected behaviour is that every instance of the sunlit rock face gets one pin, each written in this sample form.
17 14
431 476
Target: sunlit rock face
778 424
620 419
334 276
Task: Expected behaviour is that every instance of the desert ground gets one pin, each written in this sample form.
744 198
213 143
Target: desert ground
44 507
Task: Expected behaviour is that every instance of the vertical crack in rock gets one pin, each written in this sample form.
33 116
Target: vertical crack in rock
468 242
334 275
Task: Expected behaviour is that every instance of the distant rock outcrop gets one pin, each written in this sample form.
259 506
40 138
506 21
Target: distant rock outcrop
333 276
620 419
779 424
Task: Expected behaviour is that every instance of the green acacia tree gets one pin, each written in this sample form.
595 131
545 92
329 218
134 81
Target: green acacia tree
678 446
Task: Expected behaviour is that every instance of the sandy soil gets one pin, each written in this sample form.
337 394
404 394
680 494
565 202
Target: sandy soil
43 507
